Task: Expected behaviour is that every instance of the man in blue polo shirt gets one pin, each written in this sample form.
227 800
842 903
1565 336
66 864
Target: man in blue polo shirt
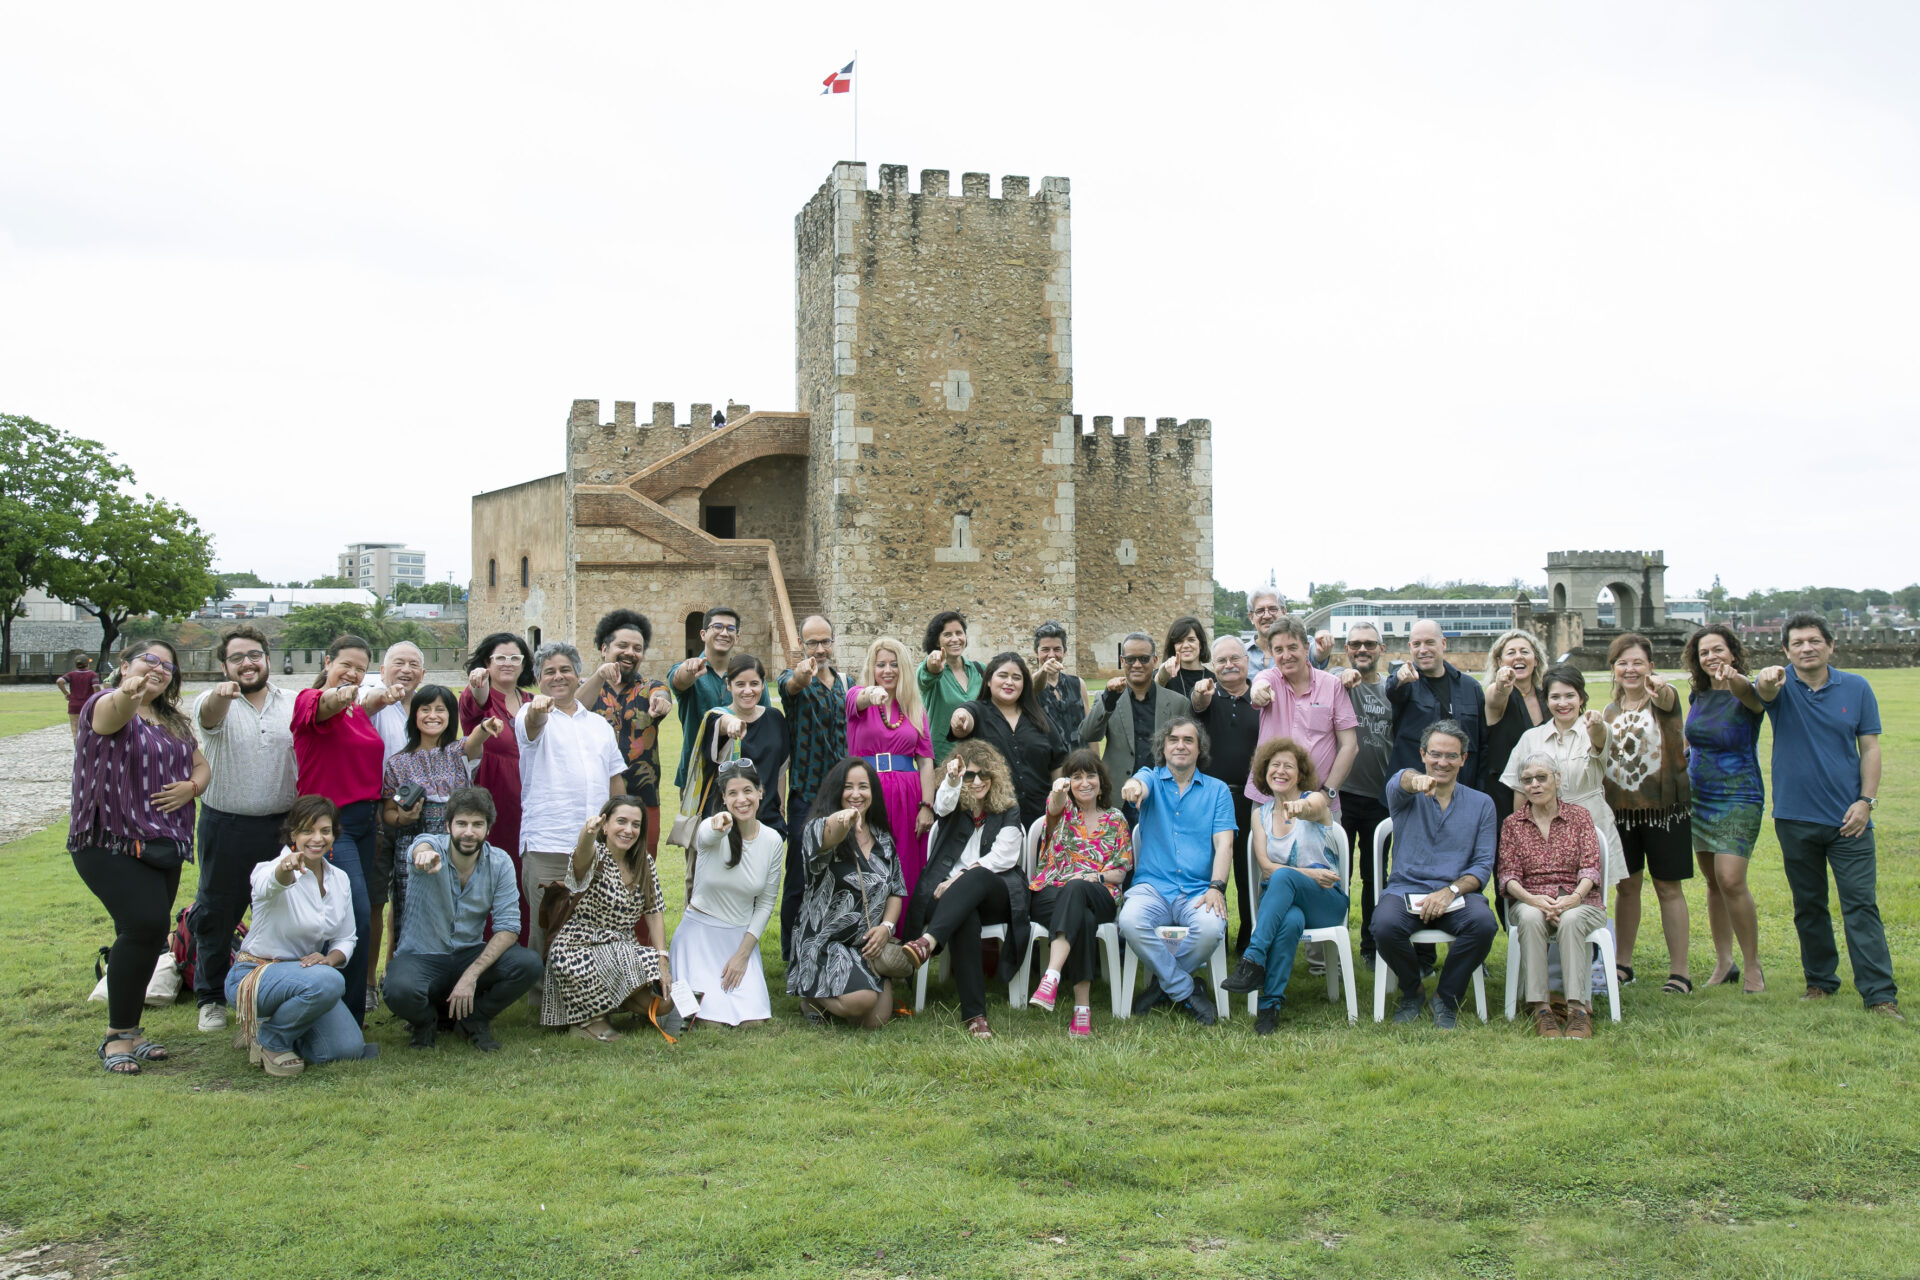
1445 836
1826 775
1180 878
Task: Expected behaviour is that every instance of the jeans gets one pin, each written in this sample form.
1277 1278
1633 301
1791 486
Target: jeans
1360 816
1473 929
977 898
353 854
303 1009
1529 939
139 898
1290 904
1173 963
1807 850
229 846
418 985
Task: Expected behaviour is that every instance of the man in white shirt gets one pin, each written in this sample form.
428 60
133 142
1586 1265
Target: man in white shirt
246 731
570 765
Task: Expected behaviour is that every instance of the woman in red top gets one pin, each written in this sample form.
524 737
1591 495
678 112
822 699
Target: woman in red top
498 675
340 754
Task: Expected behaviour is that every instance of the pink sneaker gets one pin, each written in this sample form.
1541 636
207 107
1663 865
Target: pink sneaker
1046 993
1082 1024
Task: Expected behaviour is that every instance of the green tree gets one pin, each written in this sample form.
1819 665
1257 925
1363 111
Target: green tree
137 555
316 625
248 579
1229 611
1909 598
50 482
1326 593
329 584
439 593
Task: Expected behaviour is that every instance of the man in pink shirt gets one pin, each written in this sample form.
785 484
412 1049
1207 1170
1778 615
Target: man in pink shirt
1309 706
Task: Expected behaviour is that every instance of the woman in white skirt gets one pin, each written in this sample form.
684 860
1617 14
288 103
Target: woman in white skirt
733 888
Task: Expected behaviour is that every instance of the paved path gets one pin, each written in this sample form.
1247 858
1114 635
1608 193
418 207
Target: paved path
36 780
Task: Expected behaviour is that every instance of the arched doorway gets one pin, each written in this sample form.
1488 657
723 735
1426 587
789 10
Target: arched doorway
1626 611
1559 597
694 643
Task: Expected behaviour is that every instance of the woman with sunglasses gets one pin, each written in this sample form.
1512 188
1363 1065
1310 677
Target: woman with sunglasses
136 773
499 676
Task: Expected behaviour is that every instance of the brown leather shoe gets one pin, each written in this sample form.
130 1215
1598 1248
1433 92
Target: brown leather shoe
978 1028
1817 993
1544 1023
1579 1022
1888 1009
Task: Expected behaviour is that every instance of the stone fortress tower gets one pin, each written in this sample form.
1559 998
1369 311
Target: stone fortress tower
935 460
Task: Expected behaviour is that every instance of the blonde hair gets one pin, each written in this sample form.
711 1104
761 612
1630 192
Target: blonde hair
987 759
1536 677
906 690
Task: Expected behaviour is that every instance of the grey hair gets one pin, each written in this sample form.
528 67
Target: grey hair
556 649
1450 727
1200 730
1131 636
1363 624
1544 760
1288 625
1233 640
1255 594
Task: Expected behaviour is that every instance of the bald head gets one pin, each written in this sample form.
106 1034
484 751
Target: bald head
1428 646
816 640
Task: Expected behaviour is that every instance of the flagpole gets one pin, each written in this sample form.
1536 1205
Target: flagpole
858 76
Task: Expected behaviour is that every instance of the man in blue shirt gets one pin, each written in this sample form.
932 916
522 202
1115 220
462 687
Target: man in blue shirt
1185 845
1445 836
1826 777
454 882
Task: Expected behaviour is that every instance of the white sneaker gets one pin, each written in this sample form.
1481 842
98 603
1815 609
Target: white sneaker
213 1017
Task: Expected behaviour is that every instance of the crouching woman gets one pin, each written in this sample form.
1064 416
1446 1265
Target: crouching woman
594 964
288 985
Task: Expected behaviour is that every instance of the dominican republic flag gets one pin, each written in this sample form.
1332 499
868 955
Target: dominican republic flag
840 81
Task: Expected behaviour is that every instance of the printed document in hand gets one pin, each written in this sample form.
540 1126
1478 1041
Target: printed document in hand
1413 905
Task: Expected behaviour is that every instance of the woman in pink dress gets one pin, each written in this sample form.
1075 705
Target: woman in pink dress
887 727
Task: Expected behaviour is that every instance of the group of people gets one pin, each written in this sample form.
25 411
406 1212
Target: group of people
511 828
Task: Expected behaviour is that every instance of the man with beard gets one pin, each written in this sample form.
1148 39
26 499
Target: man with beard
813 694
246 728
441 968
1264 609
633 704
1361 804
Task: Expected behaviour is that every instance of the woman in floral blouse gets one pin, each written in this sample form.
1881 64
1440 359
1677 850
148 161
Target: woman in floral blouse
1085 853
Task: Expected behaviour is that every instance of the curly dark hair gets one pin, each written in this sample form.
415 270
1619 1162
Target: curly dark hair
931 640
622 620
1691 655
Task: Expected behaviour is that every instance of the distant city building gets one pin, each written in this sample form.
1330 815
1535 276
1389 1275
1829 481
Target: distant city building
1395 618
379 567
38 606
1681 613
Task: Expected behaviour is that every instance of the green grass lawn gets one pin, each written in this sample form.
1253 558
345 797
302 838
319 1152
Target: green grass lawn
1711 1136
26 707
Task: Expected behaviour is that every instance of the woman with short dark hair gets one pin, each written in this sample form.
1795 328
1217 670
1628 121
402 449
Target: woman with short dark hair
136 774
1188 653
438 761
947 678
758 730
1084 855
1723 770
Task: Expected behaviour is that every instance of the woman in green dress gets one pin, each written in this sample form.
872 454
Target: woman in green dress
947 678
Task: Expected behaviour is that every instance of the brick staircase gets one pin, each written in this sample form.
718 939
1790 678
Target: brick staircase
804 595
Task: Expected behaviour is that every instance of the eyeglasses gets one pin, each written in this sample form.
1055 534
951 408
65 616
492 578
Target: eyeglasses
1445 757
817 644
1363 644
1136 660
723 628
155 660
250 655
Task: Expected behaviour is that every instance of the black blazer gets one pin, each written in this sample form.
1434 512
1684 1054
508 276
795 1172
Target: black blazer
950 841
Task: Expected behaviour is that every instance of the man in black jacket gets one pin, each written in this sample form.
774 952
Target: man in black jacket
1430 688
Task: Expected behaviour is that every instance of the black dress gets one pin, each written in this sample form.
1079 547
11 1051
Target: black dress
1031 753
1500 740
767 744
1183 680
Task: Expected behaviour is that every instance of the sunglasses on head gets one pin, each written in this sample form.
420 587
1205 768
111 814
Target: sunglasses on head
734 766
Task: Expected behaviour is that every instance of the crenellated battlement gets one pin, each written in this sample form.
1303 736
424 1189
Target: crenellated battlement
1167 439
851 176
1603 559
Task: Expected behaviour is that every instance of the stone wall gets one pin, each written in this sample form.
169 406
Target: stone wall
769 498
1143 520
670 595
527 520
935 363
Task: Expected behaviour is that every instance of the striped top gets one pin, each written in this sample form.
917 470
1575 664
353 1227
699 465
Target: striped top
115 777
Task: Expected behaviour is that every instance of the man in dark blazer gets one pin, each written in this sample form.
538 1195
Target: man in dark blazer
1130 712
1430 688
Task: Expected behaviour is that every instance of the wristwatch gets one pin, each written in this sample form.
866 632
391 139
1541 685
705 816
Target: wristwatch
1219 886
1457 891
1871 802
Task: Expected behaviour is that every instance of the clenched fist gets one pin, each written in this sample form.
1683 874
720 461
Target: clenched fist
426 857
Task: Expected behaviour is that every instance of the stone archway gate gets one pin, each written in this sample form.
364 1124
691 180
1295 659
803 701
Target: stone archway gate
1637 579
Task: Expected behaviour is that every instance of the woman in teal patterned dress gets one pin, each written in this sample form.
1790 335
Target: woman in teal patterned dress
1723 770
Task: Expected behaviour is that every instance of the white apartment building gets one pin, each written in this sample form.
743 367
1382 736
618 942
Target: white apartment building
381 566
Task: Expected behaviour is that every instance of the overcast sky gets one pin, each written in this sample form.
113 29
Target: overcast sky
1499 278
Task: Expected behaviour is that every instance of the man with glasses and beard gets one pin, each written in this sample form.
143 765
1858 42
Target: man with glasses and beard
246 728
633 704
1361 804
441 967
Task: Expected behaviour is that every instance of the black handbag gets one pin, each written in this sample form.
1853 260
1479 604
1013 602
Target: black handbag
161 855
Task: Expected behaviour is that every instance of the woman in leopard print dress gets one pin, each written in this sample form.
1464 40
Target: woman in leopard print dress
594 965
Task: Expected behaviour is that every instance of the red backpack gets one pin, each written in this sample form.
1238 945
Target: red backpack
185 951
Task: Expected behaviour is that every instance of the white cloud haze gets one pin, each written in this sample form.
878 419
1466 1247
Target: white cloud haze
1456 284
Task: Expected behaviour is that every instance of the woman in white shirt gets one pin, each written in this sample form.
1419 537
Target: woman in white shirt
972 877
287 985
734 886
1577 740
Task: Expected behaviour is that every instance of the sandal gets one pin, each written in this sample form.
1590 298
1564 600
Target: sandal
1677 984
1731 975
585 1032
284 1065
120 1063
146 1050
1623 975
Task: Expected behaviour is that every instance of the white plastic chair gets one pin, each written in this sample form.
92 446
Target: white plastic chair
1601 937
946 961
1340 975
1384 981
1130 970
1107 934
